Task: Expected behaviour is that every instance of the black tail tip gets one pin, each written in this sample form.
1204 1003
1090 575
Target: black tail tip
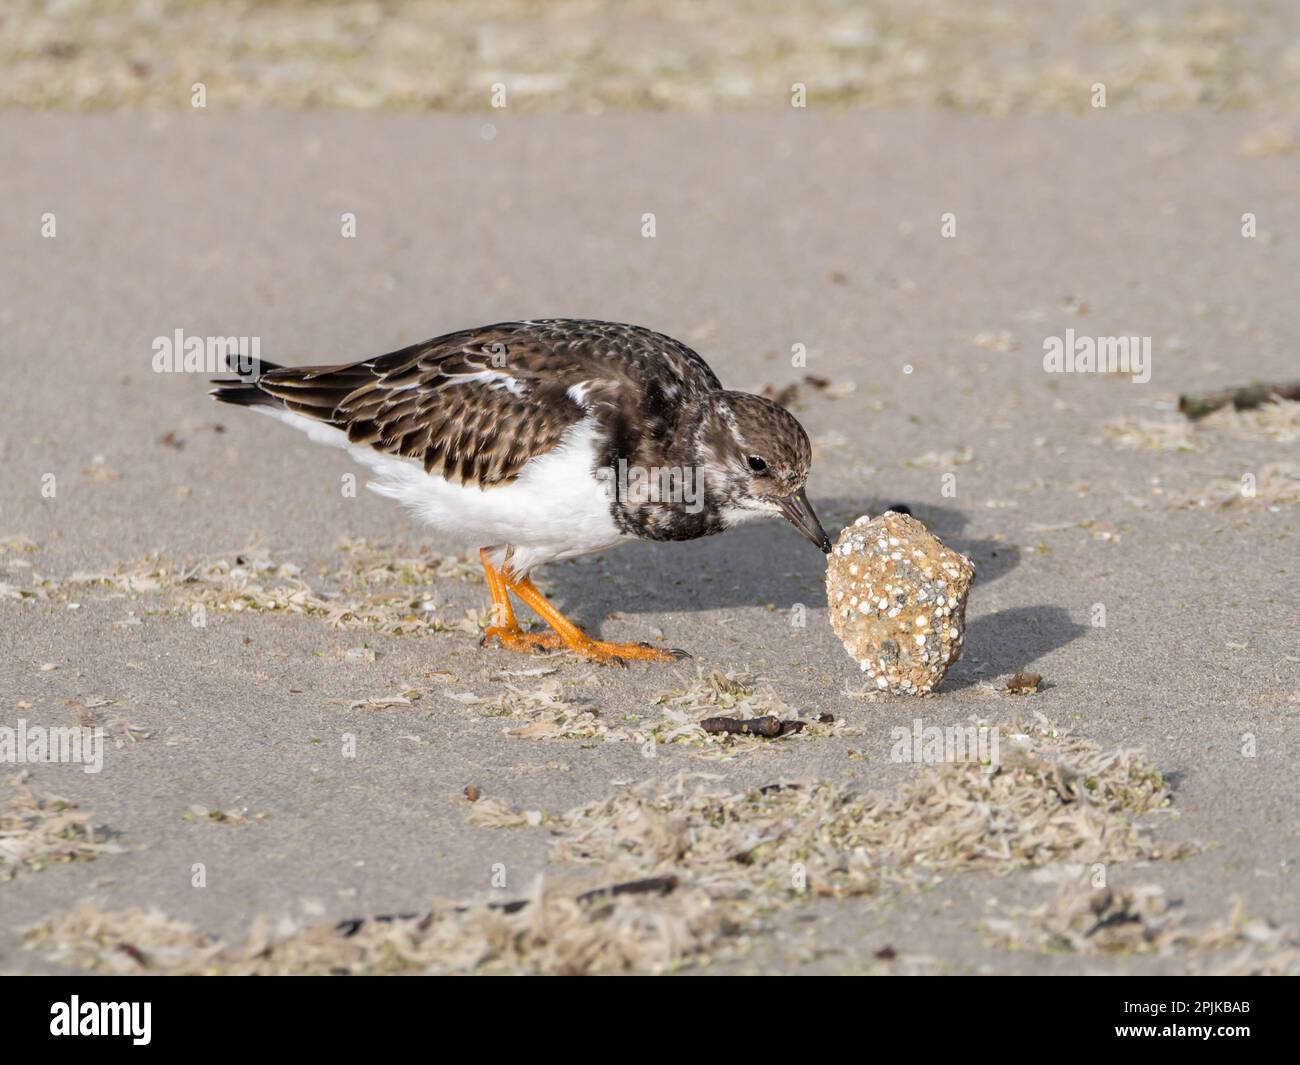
240 393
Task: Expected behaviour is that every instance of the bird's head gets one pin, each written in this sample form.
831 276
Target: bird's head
755 457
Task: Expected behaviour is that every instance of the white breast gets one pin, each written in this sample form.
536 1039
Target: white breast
554 509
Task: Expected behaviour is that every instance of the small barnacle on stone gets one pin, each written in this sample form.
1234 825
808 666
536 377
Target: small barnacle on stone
896 554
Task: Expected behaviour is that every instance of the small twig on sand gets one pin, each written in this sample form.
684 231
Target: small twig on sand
352 925
755 726
771 789
655 885
1198 404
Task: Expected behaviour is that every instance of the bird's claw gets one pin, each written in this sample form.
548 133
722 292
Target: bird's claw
608 654
676 652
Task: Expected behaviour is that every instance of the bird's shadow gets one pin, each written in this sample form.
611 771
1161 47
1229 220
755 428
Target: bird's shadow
769 564
765 564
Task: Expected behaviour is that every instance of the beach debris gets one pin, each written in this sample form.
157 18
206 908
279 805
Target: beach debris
936 460
38 830
767 725
199 812
653 926
690 869
1023 682
495 813
729 714
1274 485
1050 797
387 702
1273 417
376 588
1198 404
544 713
1149 434
897 600
1278 419
724 715
655 885
1143 920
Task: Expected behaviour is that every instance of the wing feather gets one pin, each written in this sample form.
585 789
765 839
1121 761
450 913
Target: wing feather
477 406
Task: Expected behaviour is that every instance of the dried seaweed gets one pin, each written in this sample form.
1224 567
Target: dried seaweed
376 589
1276 420
1145 434
1275 484
544 713
1142 920
1052 797
558 931
424 55
717 695
730 856
549 712
40 830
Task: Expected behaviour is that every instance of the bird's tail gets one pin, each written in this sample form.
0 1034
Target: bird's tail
244 390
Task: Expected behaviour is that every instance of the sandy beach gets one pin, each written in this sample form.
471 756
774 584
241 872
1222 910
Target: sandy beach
286 670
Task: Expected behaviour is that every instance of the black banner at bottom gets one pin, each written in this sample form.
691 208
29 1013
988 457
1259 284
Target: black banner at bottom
334 1014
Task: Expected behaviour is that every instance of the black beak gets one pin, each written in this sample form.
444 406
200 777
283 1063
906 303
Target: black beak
799 512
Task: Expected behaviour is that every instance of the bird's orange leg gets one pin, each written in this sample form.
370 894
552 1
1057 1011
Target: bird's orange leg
577 641
505 627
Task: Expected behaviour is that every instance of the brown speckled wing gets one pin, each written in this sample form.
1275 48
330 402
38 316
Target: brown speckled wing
476 406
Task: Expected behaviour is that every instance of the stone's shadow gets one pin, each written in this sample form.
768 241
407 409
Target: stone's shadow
767 563
1007 640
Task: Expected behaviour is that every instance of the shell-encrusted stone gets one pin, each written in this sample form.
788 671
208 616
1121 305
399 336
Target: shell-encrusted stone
908 639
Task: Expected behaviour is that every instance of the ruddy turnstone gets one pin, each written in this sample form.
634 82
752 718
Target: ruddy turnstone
544 440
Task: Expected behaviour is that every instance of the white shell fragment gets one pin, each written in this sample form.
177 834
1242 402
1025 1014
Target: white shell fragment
898 601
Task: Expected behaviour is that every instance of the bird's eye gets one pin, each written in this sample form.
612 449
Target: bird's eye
756 464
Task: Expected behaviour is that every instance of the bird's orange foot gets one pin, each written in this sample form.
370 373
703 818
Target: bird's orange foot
566 634
513 638
619 654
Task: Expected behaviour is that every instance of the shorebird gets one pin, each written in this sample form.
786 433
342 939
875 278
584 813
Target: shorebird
544 440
